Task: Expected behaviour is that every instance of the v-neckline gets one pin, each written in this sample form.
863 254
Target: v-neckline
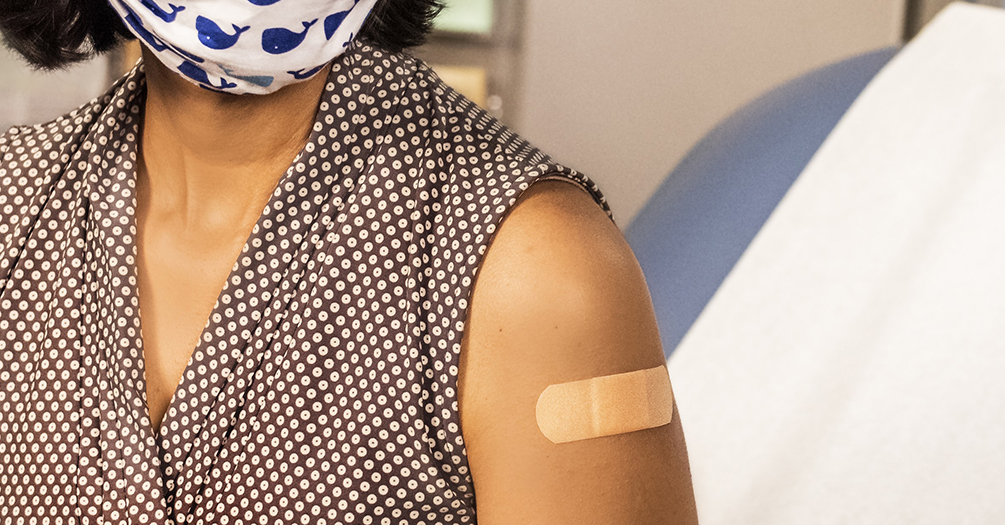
207 323
211 365
200 353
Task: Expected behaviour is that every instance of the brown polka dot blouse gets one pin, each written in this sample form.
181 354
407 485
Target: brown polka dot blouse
323 389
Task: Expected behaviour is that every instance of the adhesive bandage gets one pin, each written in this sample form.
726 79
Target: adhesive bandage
605 406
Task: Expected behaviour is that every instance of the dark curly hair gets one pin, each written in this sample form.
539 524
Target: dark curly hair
51 34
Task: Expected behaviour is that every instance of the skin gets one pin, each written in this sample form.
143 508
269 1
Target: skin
208 164
559 297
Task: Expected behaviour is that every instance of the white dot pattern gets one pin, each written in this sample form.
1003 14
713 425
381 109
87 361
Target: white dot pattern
323 389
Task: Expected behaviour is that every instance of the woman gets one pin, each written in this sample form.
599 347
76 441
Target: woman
314 362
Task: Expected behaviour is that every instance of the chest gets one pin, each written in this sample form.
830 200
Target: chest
312 365
316 369
180 275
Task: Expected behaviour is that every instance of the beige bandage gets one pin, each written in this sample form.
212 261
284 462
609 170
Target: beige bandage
604 406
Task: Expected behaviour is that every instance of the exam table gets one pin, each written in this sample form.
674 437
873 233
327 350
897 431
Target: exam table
838 328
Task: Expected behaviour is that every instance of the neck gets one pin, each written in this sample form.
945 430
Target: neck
209 161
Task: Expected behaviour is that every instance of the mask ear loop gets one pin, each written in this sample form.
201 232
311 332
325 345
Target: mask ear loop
606 406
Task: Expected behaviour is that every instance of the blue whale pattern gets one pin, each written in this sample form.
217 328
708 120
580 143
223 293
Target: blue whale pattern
300 74
213 37
162 14
196 73
258 80
333 21
279 40
155 43
263 2
137 25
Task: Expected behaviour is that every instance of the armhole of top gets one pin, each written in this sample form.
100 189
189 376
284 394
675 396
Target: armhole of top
582 185
574 182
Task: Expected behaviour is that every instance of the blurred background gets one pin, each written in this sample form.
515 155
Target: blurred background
620 90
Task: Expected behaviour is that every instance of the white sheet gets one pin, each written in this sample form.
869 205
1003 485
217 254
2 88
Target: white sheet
851 369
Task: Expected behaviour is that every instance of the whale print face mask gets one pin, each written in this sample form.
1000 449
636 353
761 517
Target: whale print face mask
245 46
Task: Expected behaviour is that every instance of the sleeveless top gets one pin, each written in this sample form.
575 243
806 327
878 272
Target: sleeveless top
323 389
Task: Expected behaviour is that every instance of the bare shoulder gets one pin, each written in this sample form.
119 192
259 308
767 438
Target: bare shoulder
560 297
556 262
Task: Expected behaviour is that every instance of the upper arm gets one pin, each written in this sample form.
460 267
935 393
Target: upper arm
559 298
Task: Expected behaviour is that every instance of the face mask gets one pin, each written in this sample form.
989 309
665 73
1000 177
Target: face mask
245 46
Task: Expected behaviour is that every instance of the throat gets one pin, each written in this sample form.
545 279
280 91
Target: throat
200 147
